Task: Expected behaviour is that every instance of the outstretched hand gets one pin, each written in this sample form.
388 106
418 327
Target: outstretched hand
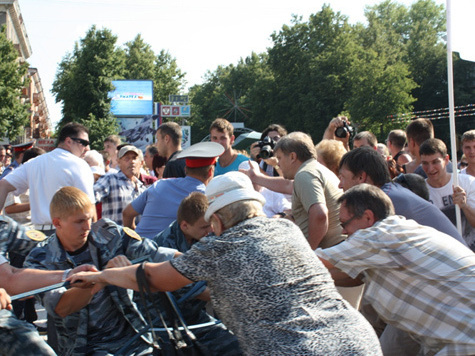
87 280
5 302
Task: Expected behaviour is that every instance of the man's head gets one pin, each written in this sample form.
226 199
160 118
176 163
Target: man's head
130 161
221 131
169 137
417 132
74 138
468 147
274 131
365 138
231 199
72 213
363 165
292 150
396 141
191 216
434 159
150 152
362 206
110 145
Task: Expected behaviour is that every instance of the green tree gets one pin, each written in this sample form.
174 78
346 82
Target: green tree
13 113
168 78
139 60
83 80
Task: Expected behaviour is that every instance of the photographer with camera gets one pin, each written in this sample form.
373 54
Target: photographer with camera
263 151
339 129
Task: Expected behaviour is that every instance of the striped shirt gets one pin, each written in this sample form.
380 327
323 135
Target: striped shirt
414 281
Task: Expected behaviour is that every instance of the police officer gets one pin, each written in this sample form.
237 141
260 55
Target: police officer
100 323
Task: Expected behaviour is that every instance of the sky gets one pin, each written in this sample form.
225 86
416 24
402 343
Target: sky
200 34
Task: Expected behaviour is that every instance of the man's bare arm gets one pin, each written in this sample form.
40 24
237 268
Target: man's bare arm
5 188
276 184
340 278
317 224
128 216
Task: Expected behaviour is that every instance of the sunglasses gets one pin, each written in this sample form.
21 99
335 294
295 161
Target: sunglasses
85 143
463 164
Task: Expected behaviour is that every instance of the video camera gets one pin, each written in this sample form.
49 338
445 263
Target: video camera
267 148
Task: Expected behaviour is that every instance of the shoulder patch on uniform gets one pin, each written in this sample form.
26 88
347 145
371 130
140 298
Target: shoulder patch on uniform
132 233
35 235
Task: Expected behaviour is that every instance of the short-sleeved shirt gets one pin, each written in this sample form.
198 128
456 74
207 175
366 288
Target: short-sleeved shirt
234 166
116 191
414 281
412 206
174 168
159 203
269 288
314 183
442 198
47 173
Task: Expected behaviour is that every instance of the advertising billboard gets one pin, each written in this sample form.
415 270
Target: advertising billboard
132 98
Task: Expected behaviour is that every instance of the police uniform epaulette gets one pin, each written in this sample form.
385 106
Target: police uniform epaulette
131 233
35 235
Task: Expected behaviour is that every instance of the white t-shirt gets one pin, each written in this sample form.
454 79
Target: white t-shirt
442 198
3 260
47 173
275 202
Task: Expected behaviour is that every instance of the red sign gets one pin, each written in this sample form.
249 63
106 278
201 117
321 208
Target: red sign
48 144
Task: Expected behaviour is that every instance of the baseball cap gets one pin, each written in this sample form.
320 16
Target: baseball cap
129 148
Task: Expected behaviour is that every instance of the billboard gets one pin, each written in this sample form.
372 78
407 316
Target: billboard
132 98
139 132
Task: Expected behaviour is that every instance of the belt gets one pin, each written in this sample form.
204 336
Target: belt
44 227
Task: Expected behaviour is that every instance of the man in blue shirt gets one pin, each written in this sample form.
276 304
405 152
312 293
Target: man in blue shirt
159 203
221 131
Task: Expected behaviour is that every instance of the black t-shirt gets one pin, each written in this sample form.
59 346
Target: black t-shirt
175 168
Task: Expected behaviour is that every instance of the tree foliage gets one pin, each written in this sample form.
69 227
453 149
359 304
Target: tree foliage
319 68
13 113
84 78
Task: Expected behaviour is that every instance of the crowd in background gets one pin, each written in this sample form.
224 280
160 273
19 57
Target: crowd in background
272 230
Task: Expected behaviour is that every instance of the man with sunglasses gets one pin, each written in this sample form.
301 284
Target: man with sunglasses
47 173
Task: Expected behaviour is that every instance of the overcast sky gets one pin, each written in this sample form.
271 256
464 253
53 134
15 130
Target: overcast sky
200 34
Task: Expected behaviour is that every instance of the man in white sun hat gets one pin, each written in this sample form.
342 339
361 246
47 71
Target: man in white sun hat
266 283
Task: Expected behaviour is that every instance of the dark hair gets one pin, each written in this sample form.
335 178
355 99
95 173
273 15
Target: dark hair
364 197
158 161
152 150
274 127
192 208
72 129
368 160
420 130
222 125
433 146
173 130
369 136
32 153
415 183
397 138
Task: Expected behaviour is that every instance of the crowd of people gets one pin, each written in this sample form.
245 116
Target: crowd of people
266 240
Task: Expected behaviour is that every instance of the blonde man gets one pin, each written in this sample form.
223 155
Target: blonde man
87 323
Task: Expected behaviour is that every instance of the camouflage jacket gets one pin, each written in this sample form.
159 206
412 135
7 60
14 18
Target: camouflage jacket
105 241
